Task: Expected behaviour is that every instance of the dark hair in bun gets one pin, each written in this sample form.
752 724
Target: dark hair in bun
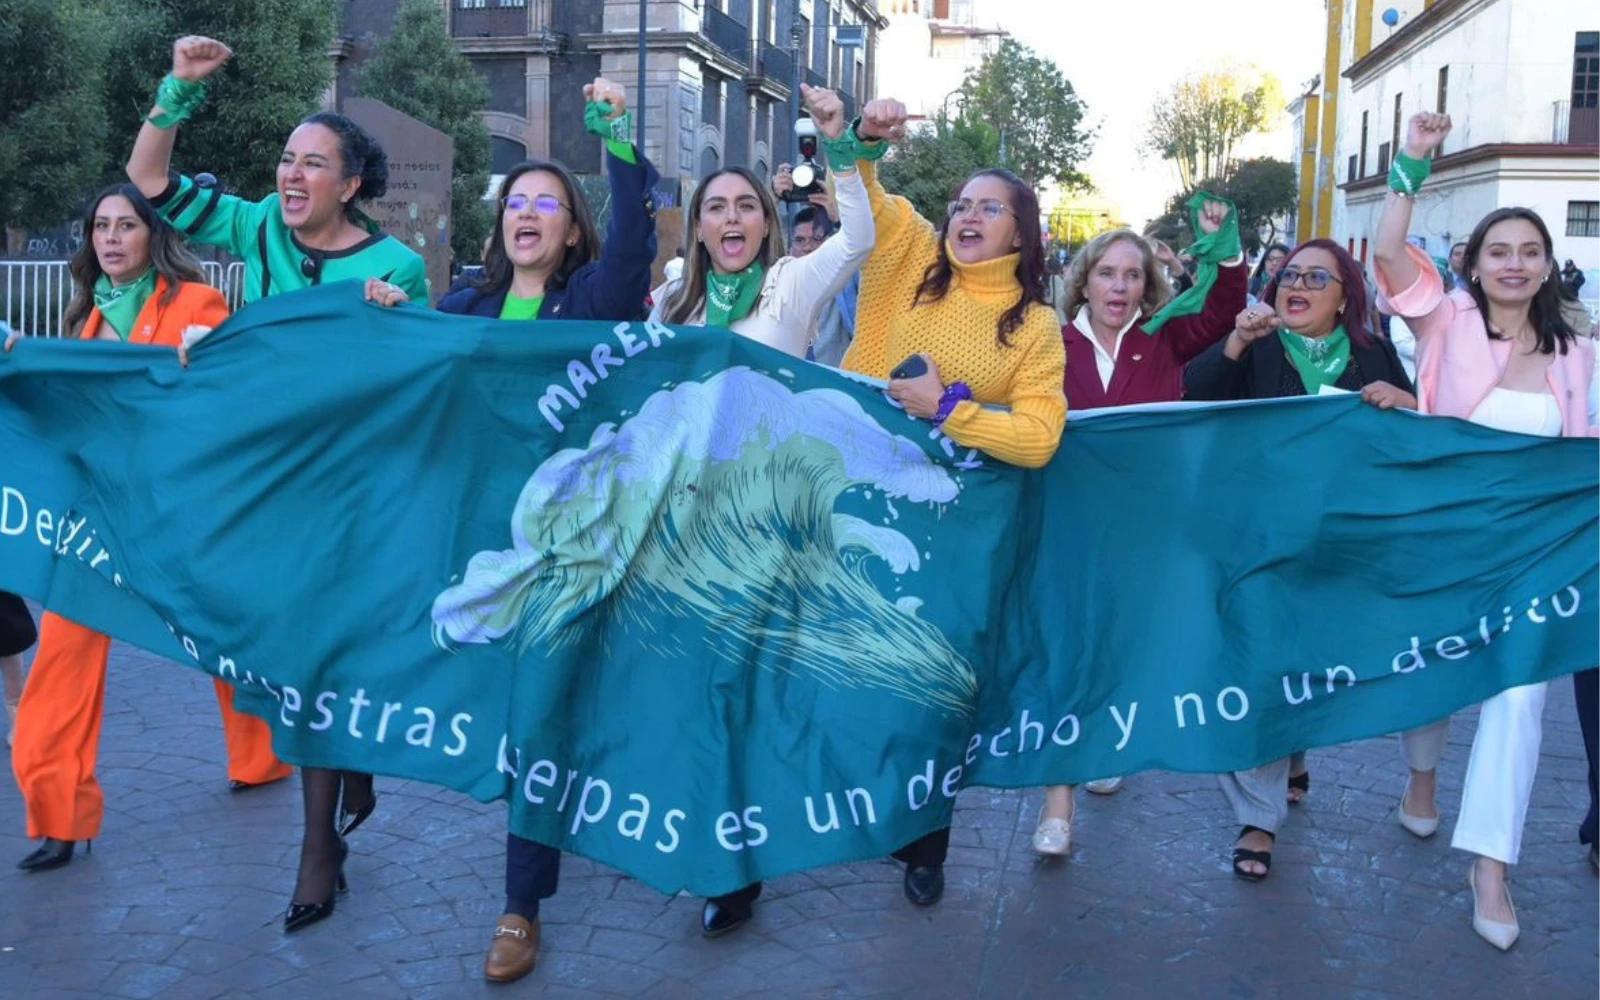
360 154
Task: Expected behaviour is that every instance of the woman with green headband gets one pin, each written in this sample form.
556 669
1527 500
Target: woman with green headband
1308 336
307 232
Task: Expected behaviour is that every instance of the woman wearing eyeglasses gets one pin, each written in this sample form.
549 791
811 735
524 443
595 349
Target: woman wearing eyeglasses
309 231
544 262
969 296
1496 351
1310 335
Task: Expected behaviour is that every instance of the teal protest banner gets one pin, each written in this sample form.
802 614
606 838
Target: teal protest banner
709 614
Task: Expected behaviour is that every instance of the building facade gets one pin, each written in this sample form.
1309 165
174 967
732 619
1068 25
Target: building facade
1520 80
928 49
720 75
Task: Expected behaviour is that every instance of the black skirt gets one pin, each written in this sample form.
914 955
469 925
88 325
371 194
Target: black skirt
17 631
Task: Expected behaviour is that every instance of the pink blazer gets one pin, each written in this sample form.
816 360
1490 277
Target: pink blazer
1458 365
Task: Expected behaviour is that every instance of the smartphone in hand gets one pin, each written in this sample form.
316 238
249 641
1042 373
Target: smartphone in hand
910 368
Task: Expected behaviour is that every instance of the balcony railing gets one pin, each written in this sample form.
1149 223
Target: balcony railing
727 34
1574 126
777 65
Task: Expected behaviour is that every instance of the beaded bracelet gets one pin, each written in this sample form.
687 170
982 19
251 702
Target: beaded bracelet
954 395
1406 175
178 99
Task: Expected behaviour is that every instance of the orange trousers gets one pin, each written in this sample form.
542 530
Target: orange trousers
58 734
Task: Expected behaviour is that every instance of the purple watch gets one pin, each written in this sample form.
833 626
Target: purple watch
954 394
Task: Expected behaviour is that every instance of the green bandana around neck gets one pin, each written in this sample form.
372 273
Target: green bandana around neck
119 305
1210 250
730 297
1319 360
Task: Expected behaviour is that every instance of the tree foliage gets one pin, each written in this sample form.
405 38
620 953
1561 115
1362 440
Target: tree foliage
52 124
419 71
279 73
1038 114
1197 125
932 163
1261 190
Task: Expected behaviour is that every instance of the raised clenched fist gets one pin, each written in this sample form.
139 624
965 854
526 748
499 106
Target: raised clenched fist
195 57
827 111
605 91
1426 133
884 118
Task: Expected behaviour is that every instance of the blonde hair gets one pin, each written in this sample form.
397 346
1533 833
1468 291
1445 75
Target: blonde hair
1157 290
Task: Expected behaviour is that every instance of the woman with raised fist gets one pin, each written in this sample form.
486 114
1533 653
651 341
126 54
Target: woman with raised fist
736 276
1497 352
956 316
308 231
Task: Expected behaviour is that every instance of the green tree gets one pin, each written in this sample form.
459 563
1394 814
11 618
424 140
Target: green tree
52 125
1198 123
278 74
1038 114
419 71
931 163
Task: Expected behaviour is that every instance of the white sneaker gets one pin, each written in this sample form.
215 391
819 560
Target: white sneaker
1104 786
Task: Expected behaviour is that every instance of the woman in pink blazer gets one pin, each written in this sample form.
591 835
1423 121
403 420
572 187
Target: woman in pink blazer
1496 352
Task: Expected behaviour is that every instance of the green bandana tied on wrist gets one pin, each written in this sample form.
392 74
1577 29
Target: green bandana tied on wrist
616 131
1406 175
730 297
1210 250
841 153
1319 360
119 305
179 99
866 149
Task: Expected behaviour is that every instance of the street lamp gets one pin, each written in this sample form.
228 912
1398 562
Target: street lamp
638 100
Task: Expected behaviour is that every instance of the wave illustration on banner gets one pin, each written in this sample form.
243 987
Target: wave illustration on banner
716 502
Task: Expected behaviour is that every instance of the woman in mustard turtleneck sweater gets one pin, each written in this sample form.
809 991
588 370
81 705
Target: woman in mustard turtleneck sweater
969 297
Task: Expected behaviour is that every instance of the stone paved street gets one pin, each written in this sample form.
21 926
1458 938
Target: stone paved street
183 896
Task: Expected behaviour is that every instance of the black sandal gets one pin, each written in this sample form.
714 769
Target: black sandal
1299 783
1262 858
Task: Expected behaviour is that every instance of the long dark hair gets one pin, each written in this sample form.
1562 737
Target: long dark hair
1544 312
360 155
691 292
497 267
1357 318
1030 263
1259 276
171 259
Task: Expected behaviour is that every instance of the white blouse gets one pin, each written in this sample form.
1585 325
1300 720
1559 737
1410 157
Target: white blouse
796 289
1519 412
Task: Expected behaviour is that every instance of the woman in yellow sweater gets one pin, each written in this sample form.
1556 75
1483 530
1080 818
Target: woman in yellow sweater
968 297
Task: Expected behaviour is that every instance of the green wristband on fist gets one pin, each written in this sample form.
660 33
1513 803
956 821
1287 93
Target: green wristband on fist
1407 174
178 99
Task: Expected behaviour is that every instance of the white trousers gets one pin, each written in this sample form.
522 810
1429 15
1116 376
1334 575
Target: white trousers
1499 783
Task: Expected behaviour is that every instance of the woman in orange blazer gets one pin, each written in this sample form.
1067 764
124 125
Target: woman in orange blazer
136 284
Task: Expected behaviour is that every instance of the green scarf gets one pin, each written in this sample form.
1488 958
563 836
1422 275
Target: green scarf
1208 251
119 305
730 297
1319 360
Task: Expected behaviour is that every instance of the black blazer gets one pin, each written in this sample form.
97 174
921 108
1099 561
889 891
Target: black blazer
1265 371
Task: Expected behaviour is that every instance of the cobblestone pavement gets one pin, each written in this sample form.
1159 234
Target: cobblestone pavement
183 896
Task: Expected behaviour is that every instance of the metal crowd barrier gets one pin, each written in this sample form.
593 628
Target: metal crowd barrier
35 293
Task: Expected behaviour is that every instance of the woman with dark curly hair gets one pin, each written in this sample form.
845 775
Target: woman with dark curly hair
307 232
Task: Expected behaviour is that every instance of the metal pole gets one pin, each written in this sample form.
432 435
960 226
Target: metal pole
794 85
638 97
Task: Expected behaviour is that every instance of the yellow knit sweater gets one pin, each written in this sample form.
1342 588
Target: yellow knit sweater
959 332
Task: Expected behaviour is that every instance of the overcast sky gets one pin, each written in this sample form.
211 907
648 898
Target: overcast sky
1121 55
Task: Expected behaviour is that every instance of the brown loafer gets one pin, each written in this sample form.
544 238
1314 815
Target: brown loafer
514 950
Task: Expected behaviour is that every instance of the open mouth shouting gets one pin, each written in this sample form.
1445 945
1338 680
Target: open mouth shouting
968 237
526 238
1296 305
296 201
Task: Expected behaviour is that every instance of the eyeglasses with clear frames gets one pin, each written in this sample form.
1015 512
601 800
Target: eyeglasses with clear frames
989 208
544 204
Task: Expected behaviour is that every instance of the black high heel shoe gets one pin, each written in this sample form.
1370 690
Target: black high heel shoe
51 854
349 821
302 915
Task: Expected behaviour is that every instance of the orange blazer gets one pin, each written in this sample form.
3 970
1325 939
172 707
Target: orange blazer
162 325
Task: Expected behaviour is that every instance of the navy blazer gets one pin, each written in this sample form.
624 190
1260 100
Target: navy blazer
614 287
